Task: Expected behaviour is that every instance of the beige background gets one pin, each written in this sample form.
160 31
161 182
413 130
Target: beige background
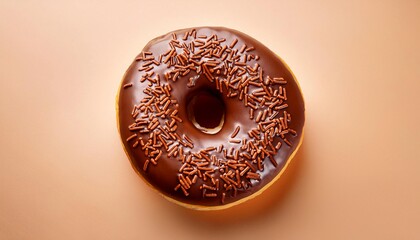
64 174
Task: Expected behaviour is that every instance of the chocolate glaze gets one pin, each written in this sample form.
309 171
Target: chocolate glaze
164 175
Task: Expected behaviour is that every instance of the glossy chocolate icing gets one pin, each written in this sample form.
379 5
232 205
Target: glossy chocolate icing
164 175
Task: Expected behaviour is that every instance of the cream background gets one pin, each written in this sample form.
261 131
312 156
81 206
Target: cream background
64 174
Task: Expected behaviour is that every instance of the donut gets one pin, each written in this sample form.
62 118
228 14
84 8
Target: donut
209 117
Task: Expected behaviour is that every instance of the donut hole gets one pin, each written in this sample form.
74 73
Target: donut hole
206 110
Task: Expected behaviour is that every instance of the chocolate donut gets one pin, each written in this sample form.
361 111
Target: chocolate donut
209 116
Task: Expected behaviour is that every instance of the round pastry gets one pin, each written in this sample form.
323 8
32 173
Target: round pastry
209 116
